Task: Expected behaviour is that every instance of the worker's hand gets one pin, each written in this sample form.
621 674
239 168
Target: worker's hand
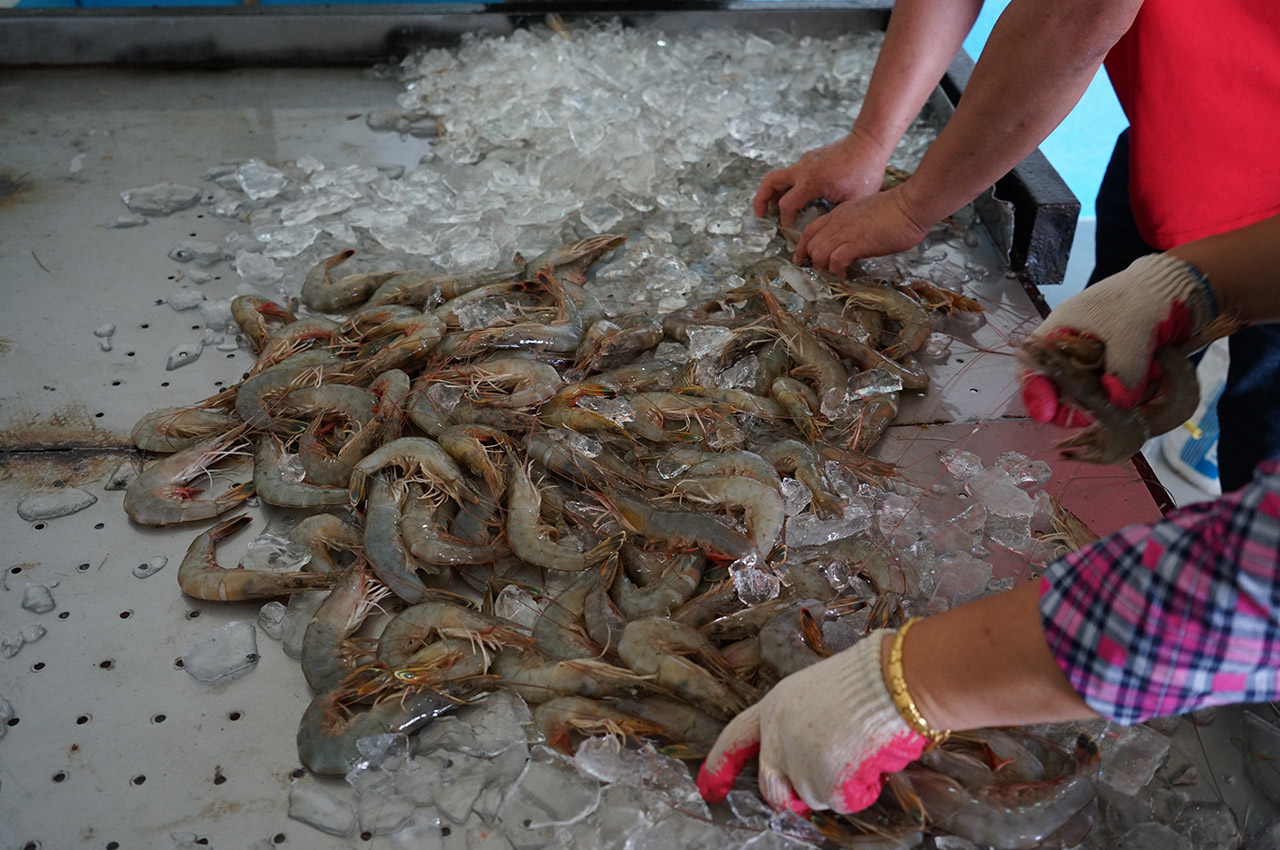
826 736
867 227
1158 300
841 171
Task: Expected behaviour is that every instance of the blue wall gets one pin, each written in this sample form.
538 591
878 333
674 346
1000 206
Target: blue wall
1080 147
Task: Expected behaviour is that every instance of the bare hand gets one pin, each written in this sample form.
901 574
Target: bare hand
841 171
867 227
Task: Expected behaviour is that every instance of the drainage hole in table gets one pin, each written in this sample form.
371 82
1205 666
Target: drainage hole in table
124 615
108 664
37 667
60 776
138 780
191 615
158 718
83 719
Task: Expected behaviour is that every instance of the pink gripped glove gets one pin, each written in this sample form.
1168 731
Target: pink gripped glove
1158 300
826 736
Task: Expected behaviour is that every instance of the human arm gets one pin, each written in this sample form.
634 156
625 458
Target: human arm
828 734
922 38
1037 63
1160 300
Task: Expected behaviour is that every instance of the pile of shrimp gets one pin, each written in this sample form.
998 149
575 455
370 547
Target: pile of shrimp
454 438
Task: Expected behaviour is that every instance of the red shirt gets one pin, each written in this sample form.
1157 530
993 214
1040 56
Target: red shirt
1200 83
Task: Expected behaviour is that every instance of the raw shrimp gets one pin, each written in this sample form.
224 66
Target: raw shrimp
556 718
800 404
784 646
327 655
328 732
745 464
677 583
162 495
415 338
423 461
792 457
906 368
274 488
1010 817
201 577
259 395
645 375
287 340
605 343
483 449
321 533
603 619
656 645
653 409
321 292
429 544
678 721
889 302
554 451
762 504
255 314
817 362
384 546
367 319
537 678
571 261
682 528
562 335
558 631
172 429
533 542
530 381
417 625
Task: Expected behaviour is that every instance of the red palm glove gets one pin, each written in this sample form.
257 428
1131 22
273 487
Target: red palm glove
826 736
1158 300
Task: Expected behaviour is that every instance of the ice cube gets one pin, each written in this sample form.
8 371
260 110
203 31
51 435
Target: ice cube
601 216
518 605
311 803
662 777
1130 760
708 340
160 199
37 598
272 552
960 464
183 354
271 619
551 791
1154 836
302 606
259 180
257 270
754 586
50 504
150 567
225 653
796 496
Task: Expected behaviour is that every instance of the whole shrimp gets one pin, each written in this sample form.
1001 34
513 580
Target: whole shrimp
162 494
422 460
327 655
571 261
914 322
762 503
321 292
533 542
536 678
683 528
657 646
556 718
172 429
430 544
322 533
255 315
417 625
383 545
1008 817
201 577
275 489
332 724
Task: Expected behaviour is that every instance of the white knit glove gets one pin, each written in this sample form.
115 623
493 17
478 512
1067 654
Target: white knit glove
1158 300
826 736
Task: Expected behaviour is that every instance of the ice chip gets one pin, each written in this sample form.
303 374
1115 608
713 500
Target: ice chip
516 604
32 632
298 613
223 654
600 217
260 181
58 502
754 586
812 530
961 577
796 496
183 354
616 410
160 199
269 551
257 270
960 464
312 804
151 567
708 340
1130 760
11 644
1154 836
551 791
271 619
184 299
743 374
662 776
1026 473
996 490
37 598
127 220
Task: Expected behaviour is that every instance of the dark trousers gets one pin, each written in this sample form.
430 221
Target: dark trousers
1249 410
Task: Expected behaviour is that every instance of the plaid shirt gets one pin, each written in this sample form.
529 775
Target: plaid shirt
1182 614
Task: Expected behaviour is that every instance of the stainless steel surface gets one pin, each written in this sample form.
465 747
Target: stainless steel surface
89 762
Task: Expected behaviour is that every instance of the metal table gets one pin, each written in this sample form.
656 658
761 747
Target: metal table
113 744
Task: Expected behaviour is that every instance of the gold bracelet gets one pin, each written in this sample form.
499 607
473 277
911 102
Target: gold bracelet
901 697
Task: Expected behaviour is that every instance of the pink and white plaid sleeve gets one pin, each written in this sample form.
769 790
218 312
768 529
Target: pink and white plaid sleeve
1182 614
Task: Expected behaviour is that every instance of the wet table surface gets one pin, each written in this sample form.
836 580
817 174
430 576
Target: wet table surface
112 744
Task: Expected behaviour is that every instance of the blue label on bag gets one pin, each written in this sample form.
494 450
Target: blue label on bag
1201 453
